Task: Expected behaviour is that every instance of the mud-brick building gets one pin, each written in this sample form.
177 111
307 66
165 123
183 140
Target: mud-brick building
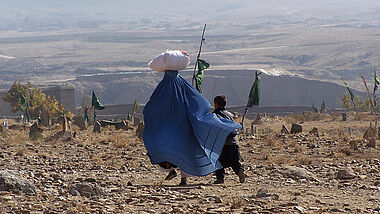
65 95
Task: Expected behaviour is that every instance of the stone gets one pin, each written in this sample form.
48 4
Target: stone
345 174
218 199
35 132
314 131
136 121
97 127
370 133
1 129
371 143
85 189
12 181
79 121
298 173
296 128
140 130
284 130
300 209
262 192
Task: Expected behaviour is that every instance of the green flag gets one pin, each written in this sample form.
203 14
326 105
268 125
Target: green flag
315 108
254 94
202 65
349 90
22 102
96 103
377 81
135 107
323 106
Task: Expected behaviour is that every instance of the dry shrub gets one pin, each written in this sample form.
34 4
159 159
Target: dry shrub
272 142
304 160
281 159
346 150
21 152
297 148
237 202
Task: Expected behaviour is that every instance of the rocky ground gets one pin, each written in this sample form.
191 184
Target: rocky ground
335 170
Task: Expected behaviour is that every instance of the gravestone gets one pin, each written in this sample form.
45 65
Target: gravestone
296 128
79 121
65 123
370 133
344 116
136 121
45 118
97 127
140 130
371 143
284 130
314 131
35 132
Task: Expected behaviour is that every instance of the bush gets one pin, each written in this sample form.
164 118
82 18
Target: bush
36 100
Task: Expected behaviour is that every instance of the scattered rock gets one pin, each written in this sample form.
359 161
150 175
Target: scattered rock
79 121
140 130
12 181
284 130
300 209
371 143
97 127
262 192
298 173
85 189
344 174
296 128
314 131
218 199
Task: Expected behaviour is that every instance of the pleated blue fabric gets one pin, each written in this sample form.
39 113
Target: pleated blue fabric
180 129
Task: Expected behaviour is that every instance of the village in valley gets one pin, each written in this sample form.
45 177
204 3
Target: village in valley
108 108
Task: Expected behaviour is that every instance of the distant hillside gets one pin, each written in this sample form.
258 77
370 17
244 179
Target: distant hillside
275 90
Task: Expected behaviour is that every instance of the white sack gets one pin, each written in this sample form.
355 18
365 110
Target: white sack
170 60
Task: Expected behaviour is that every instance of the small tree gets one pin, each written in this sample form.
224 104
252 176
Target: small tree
346 101
36 100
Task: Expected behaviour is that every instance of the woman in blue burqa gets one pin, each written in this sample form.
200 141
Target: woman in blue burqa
179 129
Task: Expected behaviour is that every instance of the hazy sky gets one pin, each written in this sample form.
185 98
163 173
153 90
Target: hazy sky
194 10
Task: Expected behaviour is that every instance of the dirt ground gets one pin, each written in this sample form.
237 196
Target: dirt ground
286 173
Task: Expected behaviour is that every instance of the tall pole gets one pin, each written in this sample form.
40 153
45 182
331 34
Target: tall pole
199 54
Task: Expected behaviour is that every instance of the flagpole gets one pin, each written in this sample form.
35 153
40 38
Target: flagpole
242 120
199 54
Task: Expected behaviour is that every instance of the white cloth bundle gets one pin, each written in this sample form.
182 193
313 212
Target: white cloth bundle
170 60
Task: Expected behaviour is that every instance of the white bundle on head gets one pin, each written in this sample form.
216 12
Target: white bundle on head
170 60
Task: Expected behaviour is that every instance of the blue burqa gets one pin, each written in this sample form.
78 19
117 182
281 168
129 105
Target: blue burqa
180 129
